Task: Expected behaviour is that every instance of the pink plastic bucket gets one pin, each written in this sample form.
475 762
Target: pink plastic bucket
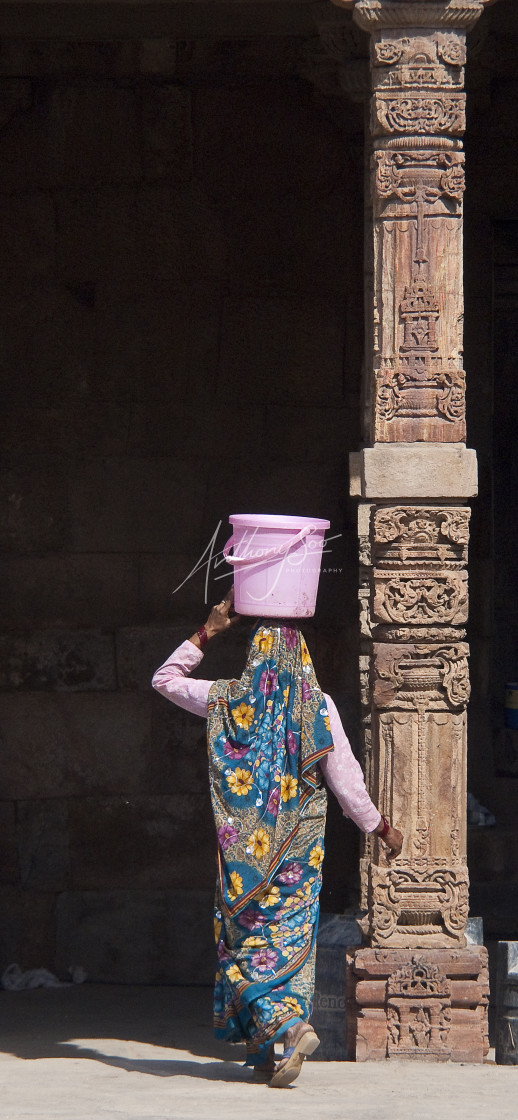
276 563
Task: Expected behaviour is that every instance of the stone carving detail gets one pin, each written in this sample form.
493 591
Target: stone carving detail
418 1010
423 906
424 1004
421 63
388 51
420 115
418 106
419 375
418 633
414 597
452 51
419 730
420 388
405 673
418 534
420 175
372 15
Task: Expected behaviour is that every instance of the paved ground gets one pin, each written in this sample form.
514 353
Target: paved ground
97 1051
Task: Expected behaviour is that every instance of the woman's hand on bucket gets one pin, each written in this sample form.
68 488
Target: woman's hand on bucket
219 620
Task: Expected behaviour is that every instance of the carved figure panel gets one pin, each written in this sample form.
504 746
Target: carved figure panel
428 1004
416 535
414 597
418 1011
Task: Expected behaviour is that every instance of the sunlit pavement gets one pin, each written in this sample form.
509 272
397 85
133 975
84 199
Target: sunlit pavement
94 1051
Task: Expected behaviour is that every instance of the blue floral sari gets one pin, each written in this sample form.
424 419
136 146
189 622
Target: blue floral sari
266 733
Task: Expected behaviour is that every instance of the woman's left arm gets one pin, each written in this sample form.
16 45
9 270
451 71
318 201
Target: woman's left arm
344 776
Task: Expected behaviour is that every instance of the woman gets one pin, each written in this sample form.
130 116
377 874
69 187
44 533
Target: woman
271 734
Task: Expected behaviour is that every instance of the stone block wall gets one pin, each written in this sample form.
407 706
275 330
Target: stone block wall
181 338
181 293
491 267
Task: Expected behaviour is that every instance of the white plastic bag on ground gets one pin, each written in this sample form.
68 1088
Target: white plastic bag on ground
14 980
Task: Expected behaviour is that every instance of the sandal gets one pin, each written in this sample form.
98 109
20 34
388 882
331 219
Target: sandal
290 1065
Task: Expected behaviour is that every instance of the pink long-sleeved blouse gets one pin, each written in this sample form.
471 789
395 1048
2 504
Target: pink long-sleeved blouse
341 770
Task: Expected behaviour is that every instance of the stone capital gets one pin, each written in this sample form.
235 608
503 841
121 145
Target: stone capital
372 15
414 470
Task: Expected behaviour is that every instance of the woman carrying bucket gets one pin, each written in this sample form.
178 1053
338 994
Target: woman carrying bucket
271 735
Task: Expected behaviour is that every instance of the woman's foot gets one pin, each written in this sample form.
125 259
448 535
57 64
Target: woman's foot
299 1041
265 1071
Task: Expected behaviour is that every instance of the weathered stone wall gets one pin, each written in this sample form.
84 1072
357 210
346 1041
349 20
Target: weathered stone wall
181 298
490 256
491 268
181 285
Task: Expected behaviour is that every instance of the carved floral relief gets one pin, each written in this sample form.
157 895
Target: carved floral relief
420 597
418 534
423 907
437 674
420 115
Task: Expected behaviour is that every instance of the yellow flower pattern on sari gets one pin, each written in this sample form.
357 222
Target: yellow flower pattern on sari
316 857
234 973
240 782
293 1005
289 787
237 885
259 842
270 897
243 715
263 641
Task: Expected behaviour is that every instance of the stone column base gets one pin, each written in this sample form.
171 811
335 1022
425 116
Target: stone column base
421 1004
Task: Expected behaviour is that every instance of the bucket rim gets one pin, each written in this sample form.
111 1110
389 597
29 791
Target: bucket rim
277 521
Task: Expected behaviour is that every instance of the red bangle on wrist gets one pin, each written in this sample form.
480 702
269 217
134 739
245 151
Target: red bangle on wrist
203 636
386 826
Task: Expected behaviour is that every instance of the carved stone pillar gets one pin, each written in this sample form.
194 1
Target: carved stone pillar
413 477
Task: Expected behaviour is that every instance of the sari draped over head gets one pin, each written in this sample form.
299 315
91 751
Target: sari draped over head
266 734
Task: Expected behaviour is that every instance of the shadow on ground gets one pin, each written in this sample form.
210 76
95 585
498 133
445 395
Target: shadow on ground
80 1021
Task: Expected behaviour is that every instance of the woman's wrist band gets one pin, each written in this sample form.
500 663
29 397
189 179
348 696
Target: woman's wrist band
386 826
203 636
